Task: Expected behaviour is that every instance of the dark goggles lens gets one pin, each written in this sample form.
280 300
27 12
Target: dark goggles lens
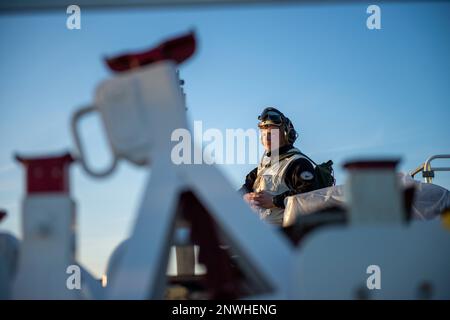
272 117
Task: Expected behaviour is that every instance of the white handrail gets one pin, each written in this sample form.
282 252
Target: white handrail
428 171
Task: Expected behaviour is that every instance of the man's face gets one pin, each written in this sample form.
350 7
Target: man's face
271 137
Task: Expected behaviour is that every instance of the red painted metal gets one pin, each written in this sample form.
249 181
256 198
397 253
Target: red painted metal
177 50
47 174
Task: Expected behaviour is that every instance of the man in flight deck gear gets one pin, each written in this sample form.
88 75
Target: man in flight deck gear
283 170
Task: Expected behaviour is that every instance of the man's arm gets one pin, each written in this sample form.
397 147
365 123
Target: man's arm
247 187
299 178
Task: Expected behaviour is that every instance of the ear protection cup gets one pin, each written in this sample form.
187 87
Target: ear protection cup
290 133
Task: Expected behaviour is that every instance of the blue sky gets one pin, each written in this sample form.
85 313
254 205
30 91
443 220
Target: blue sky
351 92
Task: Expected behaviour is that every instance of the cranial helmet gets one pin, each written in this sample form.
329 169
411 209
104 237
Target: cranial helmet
274 117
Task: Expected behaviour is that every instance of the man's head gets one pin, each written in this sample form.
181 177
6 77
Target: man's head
276 129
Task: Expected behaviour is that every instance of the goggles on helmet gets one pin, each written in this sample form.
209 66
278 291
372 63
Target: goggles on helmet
270 117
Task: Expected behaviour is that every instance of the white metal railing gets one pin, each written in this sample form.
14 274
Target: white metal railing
427 170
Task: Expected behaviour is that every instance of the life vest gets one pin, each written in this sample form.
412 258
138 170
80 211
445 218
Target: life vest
271 178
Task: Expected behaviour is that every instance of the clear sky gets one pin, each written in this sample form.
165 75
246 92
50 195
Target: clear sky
350 91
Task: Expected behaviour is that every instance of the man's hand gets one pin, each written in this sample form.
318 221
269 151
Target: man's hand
249 198
259 200
263 199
